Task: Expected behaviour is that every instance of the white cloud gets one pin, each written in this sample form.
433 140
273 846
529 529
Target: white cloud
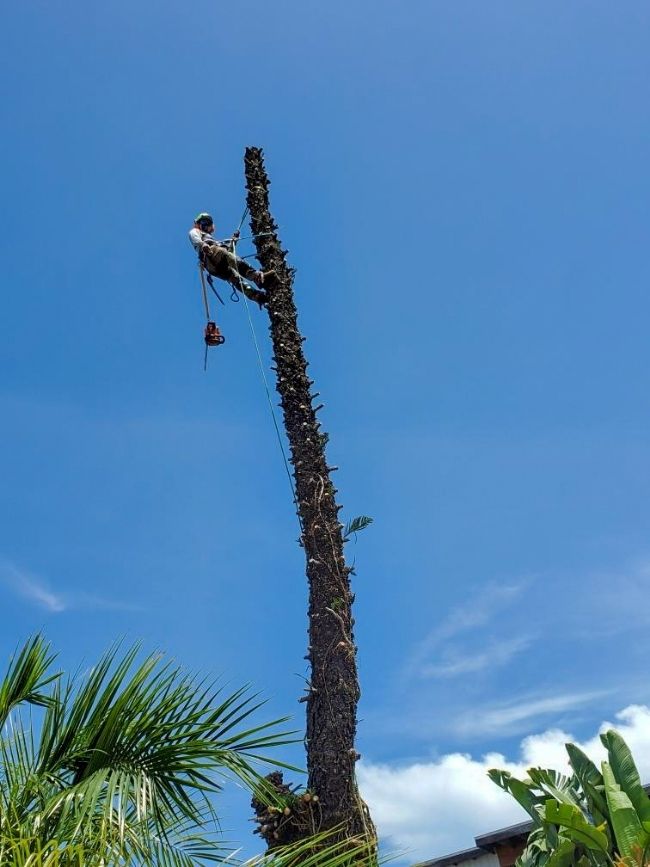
437 807
496 653
465 618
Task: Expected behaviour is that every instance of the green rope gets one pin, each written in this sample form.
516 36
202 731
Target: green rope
268 393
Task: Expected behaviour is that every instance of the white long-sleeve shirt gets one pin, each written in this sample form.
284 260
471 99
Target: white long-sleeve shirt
199 238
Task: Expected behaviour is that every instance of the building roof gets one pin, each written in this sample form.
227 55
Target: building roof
485 843
504 835
454 858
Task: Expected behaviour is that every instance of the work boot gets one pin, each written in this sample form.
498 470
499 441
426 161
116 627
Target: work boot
257 295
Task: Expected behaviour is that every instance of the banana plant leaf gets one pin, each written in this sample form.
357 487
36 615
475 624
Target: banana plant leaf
555 785
519 790
627 775
538 848
591 782
578 828
628 831
563 854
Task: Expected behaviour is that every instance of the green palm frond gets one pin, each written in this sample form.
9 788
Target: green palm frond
129 757
356 525
322 850
26 678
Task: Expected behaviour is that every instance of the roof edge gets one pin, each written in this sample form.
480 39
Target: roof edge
454 858
486 841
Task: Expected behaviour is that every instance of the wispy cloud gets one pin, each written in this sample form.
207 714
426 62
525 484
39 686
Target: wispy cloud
478 612
38 591
495 654
476 636
514 717
424 715
35 590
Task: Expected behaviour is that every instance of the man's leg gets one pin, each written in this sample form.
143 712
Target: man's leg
241 266
238 269
214 259
235 279
223 264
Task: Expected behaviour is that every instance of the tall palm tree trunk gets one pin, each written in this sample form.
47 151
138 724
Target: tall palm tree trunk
334 687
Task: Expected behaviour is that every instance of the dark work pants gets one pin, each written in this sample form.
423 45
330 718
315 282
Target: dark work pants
223 264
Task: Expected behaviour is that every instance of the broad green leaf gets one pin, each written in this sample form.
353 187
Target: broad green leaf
562 855
626 774
591 782
578 829
519 790
555 785
628 831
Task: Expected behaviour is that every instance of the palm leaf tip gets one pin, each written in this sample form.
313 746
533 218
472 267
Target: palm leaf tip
27 676
356 525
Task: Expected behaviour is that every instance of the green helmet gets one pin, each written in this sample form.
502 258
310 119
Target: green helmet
203 220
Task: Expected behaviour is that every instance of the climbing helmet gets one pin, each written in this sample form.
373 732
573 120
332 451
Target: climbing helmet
203 220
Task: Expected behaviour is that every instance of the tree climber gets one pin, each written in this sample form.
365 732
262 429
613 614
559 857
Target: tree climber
220 261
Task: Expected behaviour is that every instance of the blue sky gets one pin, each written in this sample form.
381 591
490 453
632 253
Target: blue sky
463 188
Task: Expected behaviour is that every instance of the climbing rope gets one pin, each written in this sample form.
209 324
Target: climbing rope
249 237
241 222
204 291
266 388
234 297
212 335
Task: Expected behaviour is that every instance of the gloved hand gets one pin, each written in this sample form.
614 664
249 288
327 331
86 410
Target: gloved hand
235 235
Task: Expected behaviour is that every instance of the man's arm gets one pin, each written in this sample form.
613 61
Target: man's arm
201 239
196 238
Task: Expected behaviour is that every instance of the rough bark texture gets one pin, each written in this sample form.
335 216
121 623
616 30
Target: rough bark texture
295 816
334 686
